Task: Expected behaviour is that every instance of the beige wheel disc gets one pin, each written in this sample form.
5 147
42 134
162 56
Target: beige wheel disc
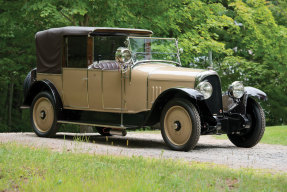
43 114
177 125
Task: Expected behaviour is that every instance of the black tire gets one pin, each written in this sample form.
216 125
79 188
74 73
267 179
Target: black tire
103 131
43 115
255 133
180 125
30 78
27 84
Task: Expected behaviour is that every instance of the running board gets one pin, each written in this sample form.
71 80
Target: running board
93 124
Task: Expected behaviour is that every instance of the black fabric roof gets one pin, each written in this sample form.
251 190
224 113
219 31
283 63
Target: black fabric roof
49 43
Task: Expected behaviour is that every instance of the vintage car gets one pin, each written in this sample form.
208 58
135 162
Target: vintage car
116 79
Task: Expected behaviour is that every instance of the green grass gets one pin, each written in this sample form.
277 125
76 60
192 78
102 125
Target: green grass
272 135
28 169
275 135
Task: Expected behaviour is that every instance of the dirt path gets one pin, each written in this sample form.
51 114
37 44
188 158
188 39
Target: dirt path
263 156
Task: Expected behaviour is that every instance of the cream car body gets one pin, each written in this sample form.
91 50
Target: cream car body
117 79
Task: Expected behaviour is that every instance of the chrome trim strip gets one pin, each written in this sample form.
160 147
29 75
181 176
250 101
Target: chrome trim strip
92 124
105 110
120 109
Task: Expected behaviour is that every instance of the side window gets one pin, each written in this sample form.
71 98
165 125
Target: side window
106 46
76 51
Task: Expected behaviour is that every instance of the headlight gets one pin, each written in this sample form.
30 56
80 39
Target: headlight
123 55
205 88
236 89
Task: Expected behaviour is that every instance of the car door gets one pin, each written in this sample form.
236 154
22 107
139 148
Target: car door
106 72
75 72
112 90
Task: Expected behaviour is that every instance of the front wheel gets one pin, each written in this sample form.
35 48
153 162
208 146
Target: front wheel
249 139
44 115
180 125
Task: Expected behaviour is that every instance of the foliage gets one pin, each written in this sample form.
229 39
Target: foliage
248 39
26 169
279 11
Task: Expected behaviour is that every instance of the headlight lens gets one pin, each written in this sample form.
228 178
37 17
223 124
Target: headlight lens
205 88
123 55
236 89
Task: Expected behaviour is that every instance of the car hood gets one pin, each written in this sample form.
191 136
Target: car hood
167 72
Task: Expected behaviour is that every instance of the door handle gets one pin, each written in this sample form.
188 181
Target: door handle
85 78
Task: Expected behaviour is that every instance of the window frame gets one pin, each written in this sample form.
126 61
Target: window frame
65 49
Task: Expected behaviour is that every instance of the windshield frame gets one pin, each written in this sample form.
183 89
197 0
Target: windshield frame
145 61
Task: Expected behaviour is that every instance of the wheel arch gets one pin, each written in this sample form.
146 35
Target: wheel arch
255 93
158 105
43 85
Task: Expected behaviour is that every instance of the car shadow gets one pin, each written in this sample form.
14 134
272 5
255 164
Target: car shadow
201 146
128 142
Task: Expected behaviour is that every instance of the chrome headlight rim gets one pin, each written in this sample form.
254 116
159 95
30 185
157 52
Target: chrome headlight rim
205 88
236 90
123 55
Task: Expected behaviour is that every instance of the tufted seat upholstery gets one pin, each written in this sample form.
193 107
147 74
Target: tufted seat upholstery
105 65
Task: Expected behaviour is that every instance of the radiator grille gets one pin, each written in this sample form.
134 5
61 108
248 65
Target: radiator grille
214 103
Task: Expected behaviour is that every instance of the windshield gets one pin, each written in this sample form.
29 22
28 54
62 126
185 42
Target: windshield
148 49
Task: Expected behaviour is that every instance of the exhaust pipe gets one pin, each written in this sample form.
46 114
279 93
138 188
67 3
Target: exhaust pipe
120 132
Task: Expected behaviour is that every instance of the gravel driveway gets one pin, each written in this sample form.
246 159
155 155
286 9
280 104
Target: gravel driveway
263 156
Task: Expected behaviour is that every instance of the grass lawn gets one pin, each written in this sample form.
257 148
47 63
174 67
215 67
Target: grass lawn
272 135
28 169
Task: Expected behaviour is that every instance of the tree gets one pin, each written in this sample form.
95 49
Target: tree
248 39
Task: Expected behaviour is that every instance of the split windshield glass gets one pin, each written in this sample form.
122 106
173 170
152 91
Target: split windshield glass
148 49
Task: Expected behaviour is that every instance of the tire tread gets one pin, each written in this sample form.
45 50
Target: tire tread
254 139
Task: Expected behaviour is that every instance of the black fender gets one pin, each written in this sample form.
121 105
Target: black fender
239 106
43 85
253 92
187 93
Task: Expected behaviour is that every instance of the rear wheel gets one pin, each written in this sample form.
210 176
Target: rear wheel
44 115
180 125
249 139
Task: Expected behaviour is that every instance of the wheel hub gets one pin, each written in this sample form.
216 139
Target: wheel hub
177 125
43 114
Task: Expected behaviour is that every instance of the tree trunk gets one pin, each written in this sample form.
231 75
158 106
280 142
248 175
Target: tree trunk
11 90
